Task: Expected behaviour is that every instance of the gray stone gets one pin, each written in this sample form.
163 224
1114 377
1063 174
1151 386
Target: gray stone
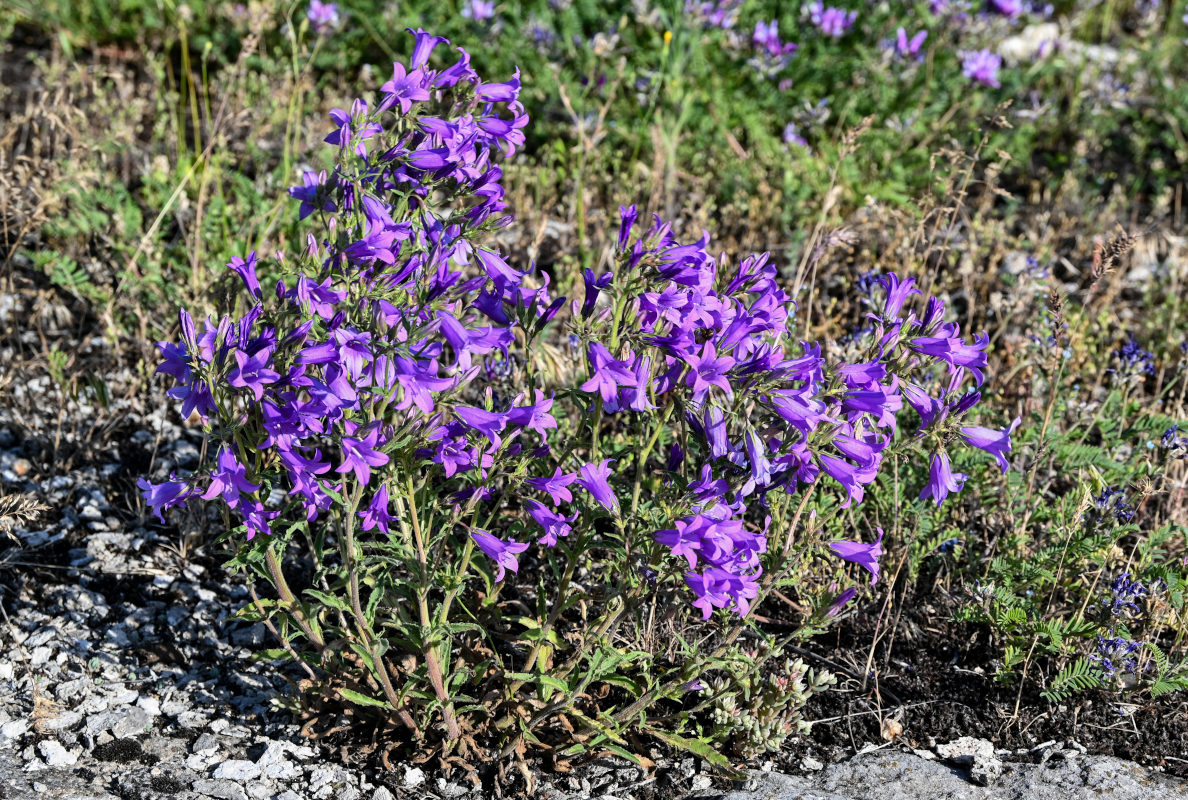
236 770
976 755
150 705
63 721
382 793
273 753
224 790
258 790
883 774
205 745
133 722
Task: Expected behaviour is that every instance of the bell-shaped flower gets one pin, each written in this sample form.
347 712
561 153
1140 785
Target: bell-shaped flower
864 555
941 479
996 443
501 552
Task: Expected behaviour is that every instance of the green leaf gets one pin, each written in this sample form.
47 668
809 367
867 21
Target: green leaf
698 747
328 599
360 699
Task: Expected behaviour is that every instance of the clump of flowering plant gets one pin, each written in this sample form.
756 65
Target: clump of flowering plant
385 413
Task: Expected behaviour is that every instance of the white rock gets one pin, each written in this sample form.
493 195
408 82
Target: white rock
132 723
150 706
56 755
413 777
14 729
978 754
236 770
67 719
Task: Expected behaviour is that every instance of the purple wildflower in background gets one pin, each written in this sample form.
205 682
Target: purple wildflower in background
910 48
792 136
478 10
1132 361
829 20
501 552
981 66
1008 8
322 16
720 14
864 555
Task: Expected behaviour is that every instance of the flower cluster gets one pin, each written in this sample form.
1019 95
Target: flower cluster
1132 362
1174 443
714 13
323 17
399 305
981 66
1124 596
1113 502
772 53
768 413
1116 656
910 48
399 348
829 20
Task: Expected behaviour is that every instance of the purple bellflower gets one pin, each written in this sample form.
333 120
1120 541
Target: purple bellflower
864 555
501 552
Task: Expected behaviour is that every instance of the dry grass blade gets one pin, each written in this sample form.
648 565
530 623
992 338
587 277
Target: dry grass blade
16 509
